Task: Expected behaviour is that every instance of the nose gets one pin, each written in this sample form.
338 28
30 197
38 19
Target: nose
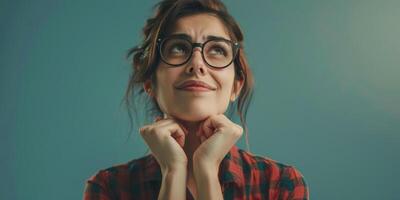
196 63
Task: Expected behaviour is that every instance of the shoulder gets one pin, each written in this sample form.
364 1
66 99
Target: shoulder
132 167
264 163
111 180
283 179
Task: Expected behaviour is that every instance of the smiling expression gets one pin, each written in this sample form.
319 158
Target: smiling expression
195 102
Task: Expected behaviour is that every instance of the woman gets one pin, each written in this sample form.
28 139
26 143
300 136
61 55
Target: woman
192 66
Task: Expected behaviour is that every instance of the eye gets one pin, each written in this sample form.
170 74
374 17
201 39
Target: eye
176 48
217 50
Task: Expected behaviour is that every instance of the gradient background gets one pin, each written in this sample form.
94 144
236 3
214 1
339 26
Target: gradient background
326 98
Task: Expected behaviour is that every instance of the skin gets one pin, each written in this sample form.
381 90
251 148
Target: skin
191 139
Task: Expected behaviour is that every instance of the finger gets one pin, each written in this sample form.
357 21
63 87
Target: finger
157 118
202 138
180 139
184 129
178 134
165 122
199 130
208 128
176 121
141 129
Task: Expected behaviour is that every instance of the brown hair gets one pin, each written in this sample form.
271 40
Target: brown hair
145 55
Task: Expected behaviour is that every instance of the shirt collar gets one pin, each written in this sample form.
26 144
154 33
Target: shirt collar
152 170
230 169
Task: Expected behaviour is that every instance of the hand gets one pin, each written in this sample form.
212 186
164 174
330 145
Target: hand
217 134
166 138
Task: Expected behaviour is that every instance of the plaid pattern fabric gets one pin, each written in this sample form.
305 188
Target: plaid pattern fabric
242 175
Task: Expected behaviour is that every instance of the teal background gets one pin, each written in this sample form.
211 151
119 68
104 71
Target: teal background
326 97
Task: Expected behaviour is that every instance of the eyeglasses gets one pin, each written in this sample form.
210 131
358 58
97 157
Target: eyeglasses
216 52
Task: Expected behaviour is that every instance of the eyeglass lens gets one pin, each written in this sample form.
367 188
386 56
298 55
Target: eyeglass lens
217 53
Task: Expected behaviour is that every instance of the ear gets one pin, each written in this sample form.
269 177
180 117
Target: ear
148 88
237 87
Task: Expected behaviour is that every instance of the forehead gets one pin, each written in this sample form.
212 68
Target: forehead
200 26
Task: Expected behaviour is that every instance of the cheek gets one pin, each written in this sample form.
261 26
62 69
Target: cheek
226 86
165 80
165 77
228 80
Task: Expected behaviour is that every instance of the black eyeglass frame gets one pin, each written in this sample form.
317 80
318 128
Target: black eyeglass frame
235 48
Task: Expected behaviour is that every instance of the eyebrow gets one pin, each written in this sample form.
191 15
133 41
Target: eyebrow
188 37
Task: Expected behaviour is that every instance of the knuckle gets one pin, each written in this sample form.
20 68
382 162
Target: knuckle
146 129
151 129
238 131
142 130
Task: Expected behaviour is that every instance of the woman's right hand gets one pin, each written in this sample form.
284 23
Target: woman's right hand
166 138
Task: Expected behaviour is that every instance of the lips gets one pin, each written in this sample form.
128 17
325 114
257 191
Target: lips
195 84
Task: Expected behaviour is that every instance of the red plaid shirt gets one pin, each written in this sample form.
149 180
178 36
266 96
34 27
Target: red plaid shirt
242 175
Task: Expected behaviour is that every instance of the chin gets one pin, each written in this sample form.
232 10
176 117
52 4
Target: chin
193 116
193 112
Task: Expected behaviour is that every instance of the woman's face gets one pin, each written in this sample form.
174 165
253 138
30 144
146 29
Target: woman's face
195 105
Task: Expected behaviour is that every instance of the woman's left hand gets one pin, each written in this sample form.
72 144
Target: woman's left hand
217 134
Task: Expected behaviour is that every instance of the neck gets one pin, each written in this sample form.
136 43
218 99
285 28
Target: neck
191 144
191 140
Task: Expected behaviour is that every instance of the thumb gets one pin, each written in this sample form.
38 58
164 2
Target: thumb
179 136
157 118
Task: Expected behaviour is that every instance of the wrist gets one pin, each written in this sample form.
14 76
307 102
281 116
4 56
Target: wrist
205 170
205 166
207 181
176 169
173 184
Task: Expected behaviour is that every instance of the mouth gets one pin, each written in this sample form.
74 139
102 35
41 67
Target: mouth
195 85
195 88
